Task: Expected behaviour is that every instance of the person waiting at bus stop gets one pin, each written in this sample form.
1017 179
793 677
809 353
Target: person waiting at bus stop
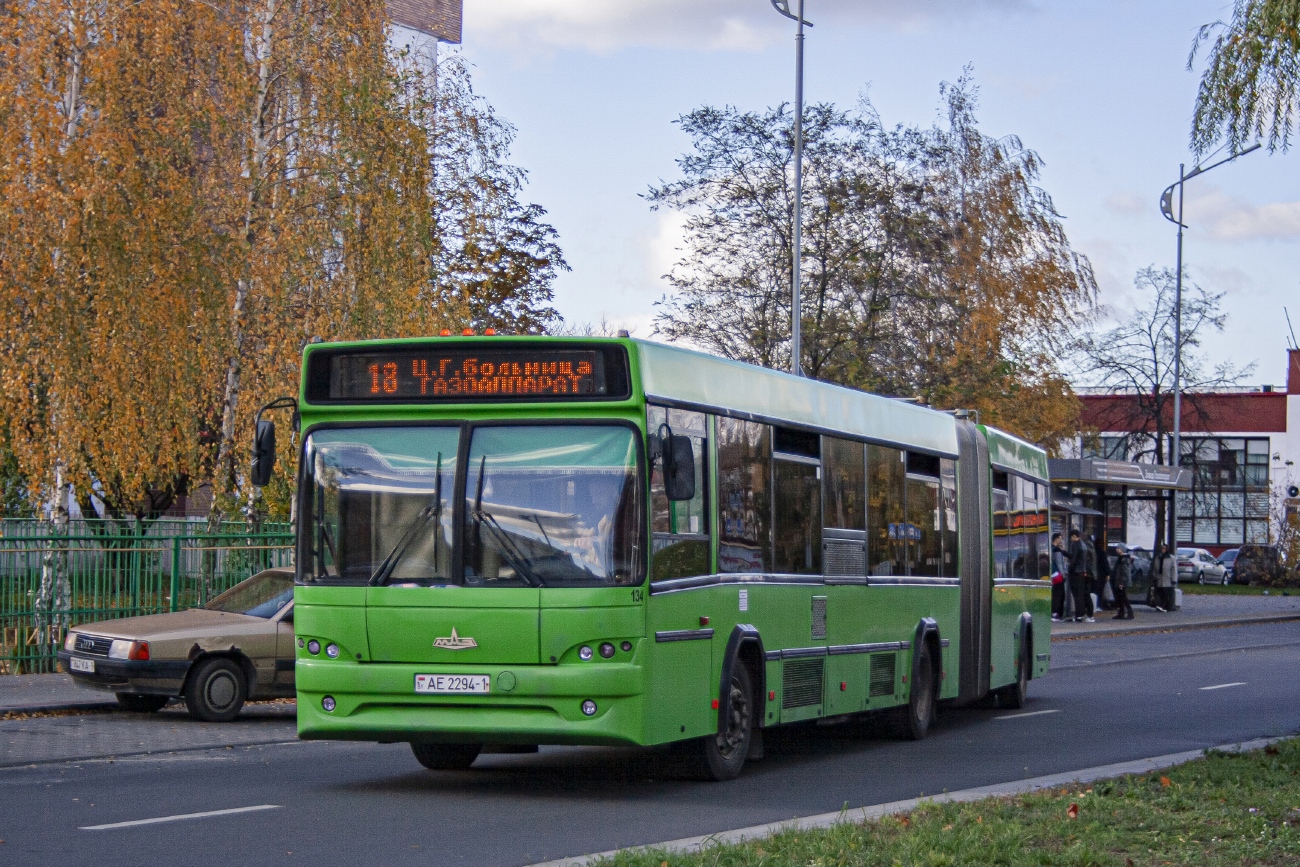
1060 568
1079 577
1119 582
1101 575
1164 574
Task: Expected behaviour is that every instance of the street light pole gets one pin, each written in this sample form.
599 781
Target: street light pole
796 250
1166 208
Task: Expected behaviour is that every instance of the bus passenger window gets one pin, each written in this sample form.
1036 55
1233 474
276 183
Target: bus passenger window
845 473
886 522
844 489
744 496
924 549
1002 528
948 504
680 546
797 520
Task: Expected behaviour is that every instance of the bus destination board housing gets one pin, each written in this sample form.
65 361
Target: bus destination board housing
460 372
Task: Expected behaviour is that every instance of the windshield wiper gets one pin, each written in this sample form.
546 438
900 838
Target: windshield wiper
432 511
516 559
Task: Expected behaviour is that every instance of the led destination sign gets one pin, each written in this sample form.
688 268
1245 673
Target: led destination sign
524 373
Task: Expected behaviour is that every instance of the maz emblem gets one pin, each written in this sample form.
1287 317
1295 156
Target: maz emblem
455 642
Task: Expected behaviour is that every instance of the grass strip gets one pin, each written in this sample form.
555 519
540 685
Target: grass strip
1223 809
1235 590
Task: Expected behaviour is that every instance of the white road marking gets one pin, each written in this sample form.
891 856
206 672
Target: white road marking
181 817
1023 715
1223 685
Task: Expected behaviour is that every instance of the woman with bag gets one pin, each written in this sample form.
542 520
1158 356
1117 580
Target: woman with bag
1058 577
1164 574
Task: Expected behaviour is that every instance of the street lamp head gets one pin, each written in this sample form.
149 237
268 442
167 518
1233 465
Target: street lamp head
1167 203
783 6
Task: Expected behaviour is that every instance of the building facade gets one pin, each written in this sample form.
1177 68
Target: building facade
1241 445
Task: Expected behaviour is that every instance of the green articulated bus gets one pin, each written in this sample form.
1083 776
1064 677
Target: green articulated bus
533 540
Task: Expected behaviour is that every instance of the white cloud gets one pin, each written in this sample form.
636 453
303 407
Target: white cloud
663 248
1130 204
609 25
1231 219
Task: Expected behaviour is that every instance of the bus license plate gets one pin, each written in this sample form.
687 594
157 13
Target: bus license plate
82 664
442 683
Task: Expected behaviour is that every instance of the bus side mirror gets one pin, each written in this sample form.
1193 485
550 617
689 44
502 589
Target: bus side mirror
679 467
263 453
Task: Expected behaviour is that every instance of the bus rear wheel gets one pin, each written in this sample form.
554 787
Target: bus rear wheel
725 752
1013 695
918 715
445 757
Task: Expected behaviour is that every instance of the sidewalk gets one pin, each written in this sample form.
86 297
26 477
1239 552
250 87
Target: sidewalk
1198 612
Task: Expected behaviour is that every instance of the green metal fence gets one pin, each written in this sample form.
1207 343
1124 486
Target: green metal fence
48 583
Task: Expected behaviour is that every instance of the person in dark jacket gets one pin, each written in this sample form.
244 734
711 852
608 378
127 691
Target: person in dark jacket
1102 576
1078 577
1120 580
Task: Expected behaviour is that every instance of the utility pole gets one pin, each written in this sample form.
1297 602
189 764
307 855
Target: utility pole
1166 208
796 251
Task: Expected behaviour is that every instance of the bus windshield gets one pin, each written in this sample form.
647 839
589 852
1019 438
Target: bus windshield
542 506
552 506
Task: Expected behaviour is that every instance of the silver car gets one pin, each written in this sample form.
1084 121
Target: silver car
1199 565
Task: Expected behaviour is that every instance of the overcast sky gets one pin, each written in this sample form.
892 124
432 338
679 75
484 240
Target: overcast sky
1099 89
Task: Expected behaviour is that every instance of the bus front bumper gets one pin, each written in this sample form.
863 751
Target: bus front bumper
544 705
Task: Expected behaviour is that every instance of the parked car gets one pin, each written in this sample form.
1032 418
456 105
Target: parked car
1256 563
1229 560
1199 565
238 646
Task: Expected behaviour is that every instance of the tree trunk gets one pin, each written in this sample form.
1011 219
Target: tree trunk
259 150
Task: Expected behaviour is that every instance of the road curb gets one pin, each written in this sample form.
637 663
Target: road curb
54 708
690 845
1118 631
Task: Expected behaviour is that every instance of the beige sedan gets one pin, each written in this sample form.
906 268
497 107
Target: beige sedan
239 646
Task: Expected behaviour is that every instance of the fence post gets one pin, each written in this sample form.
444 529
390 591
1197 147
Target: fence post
176 573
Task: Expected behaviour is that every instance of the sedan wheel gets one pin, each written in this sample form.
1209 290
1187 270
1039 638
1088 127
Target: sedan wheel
216 690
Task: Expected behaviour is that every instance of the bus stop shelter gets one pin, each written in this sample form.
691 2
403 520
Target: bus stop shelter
1115 501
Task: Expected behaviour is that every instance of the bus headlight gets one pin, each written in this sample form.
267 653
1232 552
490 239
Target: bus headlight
584 652
588 708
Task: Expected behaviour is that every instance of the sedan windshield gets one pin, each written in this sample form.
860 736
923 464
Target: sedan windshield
263 595
539 506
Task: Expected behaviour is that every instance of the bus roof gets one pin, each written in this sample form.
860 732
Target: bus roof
1007 452
685 377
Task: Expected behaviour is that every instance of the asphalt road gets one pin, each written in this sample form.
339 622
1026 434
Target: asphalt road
1108 700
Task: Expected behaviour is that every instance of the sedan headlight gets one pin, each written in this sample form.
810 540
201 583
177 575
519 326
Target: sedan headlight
125 649
70 643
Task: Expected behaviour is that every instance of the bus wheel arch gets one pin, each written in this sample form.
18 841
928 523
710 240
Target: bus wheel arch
1014 694
742 686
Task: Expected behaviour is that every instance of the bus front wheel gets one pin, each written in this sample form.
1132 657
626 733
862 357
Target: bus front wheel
725 752
445 757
